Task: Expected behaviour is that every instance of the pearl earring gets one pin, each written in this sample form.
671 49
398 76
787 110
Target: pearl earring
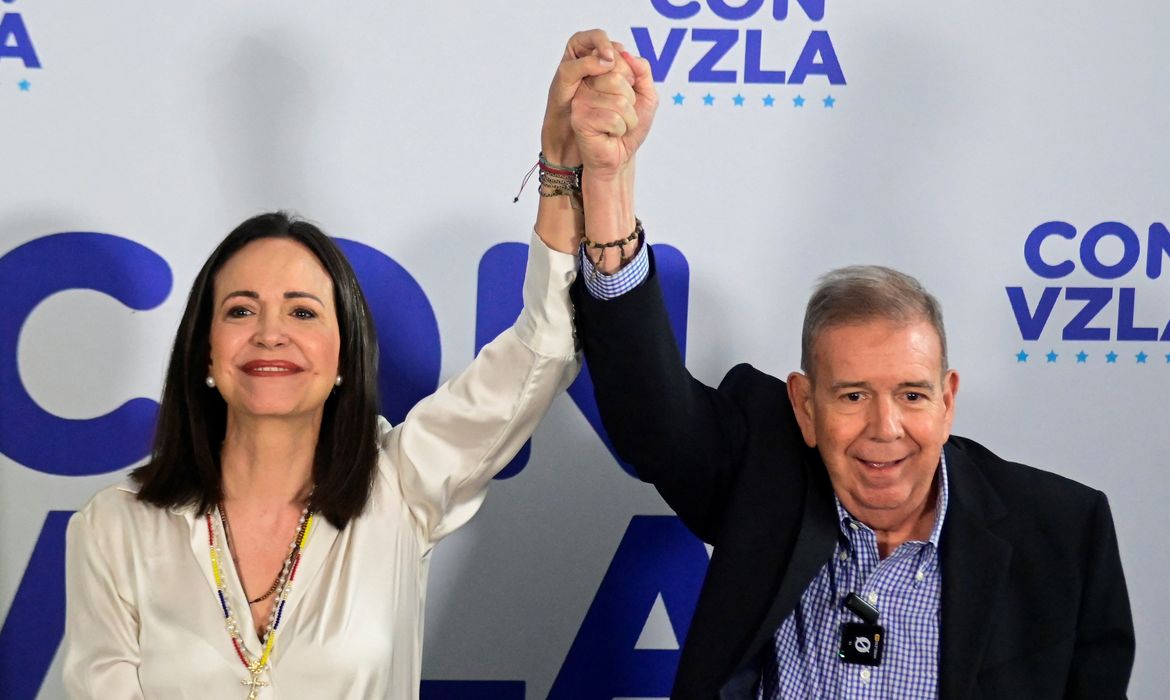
210 382
337 382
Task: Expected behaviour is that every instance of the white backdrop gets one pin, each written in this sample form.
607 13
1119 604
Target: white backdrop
960 129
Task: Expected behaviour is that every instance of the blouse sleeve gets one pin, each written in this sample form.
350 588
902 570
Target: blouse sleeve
454 441
101 639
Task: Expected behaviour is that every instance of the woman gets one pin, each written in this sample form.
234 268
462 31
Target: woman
277 542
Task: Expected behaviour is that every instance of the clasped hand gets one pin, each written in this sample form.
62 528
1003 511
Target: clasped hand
600 106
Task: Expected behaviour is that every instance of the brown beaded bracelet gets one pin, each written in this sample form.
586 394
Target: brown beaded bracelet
620 244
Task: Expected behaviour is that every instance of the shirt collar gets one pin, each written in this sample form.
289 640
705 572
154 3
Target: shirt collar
940 511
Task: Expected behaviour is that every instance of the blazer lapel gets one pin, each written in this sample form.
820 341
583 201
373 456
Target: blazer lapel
974 569
814 546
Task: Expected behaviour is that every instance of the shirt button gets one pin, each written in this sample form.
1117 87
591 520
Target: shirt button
872 598
919 576
852 526
865 674
843 556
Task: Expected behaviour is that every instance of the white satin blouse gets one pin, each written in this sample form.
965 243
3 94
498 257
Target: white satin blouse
142 618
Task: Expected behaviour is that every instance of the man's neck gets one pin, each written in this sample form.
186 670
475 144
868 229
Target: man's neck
894 527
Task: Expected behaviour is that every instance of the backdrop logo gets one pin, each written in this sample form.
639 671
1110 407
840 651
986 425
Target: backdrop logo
1122 316
757 46
16 44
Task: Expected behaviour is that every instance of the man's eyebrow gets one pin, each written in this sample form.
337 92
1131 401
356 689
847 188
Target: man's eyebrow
917 385
837 386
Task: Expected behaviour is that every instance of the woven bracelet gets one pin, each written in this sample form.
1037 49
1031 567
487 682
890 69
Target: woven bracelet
620 244
560 180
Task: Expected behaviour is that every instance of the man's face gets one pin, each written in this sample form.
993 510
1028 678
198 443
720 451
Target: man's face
878 407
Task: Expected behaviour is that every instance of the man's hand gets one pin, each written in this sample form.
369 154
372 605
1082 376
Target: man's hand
611 115
587 53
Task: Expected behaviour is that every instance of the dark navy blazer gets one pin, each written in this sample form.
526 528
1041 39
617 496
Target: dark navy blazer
1034 603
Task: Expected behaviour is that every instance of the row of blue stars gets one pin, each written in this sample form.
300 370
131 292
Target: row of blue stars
768 100
1140 358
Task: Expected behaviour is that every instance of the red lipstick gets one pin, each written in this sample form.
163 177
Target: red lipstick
270 368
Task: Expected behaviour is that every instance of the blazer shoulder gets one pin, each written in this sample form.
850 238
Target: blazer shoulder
763 399
1020 484
745 380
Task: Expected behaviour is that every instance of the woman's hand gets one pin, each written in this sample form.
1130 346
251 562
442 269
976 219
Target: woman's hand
603 100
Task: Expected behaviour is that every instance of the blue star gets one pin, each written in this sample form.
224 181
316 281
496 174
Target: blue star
24 85
1111 357
1168 358
798 101
1052 356
829 101
708 99
769 100
738 100
1082 356
1021 356
1141 357
678 98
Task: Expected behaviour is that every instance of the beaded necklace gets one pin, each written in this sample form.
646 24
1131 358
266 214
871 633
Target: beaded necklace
227 531
257 666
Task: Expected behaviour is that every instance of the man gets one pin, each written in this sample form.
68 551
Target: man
860 550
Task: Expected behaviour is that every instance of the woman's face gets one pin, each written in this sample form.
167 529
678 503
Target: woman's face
274 335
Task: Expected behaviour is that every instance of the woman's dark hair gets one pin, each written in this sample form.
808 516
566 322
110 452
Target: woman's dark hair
184 467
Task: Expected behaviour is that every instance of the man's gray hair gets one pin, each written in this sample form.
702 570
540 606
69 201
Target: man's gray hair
860 293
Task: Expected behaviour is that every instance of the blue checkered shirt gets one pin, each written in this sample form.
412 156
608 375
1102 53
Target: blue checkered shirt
602 286
905 587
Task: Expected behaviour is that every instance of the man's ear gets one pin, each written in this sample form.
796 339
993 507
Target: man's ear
800 394
950 392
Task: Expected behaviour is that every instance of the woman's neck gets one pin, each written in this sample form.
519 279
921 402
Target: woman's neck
268 459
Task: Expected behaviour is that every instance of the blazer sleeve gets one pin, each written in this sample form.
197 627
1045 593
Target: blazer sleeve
681 435
1104 651
101 627
454 441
